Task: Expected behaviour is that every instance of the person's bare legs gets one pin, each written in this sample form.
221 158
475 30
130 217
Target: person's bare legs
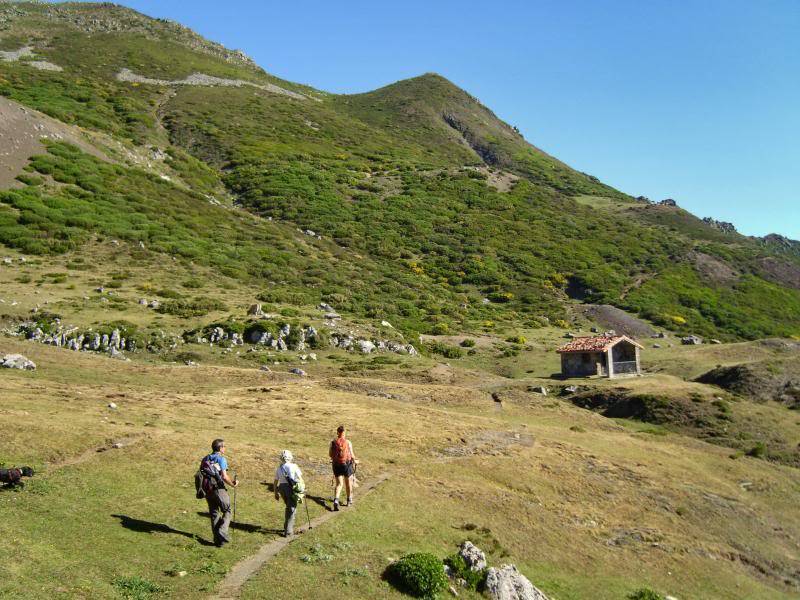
338 489
348 484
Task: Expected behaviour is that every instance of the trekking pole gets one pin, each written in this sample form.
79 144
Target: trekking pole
305 501
235 480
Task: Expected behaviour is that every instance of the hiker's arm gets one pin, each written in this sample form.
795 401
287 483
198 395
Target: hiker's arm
275 487
227 479
330 451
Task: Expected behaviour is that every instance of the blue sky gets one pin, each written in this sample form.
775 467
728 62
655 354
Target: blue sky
693 100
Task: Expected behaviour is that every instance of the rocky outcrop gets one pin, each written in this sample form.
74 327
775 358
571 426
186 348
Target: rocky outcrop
54 333
17 361
691 340
507 583
349 342
473 556
723 226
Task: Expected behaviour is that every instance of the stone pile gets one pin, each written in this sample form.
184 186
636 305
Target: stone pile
71 338
364 346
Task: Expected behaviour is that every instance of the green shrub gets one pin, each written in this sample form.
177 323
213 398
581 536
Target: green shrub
645 594
474 579
468 343
193 283
516 339
168 293
445 350
419 574
136 588
758 451
191 308
440 329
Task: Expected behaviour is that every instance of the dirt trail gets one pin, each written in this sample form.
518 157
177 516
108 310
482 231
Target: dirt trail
231 586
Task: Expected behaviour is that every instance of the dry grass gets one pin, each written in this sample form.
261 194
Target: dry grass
591 512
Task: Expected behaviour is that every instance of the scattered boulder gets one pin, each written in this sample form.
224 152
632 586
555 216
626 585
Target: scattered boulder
691 340
255 310
507 583
265 368
365 346
326 307
17 361
296 371
332 316
112 406
570 389
714 341
473 556
656 345
538 389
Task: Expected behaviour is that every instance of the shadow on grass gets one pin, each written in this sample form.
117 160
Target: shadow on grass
321 501
317 499
140 526
248 527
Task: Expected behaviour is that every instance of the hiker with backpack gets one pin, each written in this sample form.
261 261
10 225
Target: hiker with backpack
13 477
343 461
289 485
210 482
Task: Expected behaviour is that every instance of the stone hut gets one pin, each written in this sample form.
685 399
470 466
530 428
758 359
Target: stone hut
607 356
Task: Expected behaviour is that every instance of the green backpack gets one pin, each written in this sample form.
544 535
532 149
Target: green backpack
298 488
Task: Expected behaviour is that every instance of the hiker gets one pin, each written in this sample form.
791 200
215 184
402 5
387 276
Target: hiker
289 486
13 477
214 469
343 460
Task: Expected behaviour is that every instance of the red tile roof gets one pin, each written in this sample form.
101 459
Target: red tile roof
598 343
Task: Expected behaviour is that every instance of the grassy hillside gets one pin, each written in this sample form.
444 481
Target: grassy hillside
390 175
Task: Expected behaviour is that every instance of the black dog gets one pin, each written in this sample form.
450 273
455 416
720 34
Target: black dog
13 477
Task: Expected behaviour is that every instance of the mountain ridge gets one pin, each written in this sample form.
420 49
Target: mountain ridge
405 174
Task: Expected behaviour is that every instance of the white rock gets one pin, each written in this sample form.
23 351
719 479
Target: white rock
507 583
17 361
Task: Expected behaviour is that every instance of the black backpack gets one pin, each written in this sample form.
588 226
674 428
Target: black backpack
207 479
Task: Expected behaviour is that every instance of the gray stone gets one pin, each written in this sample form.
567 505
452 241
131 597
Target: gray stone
112 406
255 310
365 346
570 389
296 371
691 340
104 341
507 583
17 361
326 307
114 339
265 368
713 341
473 556
154 304
538 389
656 345
332 316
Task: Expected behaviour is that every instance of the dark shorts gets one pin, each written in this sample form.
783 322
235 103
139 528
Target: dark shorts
345 470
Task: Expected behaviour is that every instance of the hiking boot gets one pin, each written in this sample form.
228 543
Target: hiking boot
350 502
336 504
